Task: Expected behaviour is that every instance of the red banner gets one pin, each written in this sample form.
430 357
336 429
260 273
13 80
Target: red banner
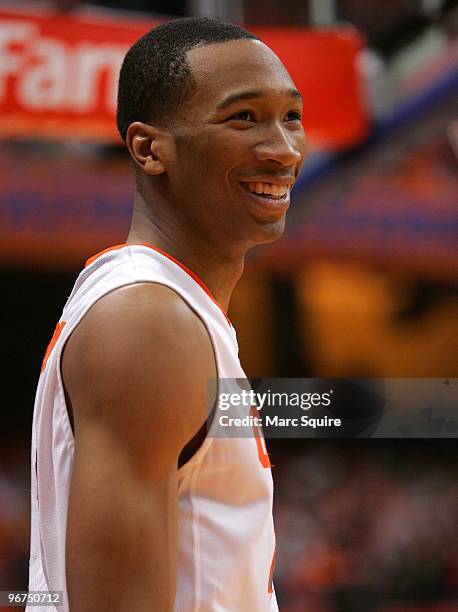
59 72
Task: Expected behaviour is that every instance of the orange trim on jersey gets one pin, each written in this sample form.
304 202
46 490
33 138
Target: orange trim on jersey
263 455
270 587
192 274
97 255
54 339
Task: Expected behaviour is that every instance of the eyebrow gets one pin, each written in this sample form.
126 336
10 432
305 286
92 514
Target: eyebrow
255 93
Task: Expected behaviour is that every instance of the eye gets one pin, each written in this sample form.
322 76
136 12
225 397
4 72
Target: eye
294 116
243 116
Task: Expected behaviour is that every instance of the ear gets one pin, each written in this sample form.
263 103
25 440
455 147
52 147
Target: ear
144 143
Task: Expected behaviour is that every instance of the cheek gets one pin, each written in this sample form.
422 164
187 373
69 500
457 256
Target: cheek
205 160
301 142
212 169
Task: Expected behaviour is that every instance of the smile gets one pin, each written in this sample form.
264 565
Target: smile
266 201
267 190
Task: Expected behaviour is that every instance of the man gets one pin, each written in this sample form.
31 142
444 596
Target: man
135 506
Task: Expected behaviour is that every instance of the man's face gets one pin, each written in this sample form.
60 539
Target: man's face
239 144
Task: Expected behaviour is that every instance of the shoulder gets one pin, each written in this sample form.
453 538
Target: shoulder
138 320
140 346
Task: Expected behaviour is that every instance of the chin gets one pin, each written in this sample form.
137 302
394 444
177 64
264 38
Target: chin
270 232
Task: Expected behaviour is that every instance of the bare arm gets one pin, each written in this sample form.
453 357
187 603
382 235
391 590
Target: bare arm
135 372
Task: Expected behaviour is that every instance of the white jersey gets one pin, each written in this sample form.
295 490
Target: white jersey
226 548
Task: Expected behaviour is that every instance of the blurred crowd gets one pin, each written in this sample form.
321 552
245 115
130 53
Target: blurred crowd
14 512
365 526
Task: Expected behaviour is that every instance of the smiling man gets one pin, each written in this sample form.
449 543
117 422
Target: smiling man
135 505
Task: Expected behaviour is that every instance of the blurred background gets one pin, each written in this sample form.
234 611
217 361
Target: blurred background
363 284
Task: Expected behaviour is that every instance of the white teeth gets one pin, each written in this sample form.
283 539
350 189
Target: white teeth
267 189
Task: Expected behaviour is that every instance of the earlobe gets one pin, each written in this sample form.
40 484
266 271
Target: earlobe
143 145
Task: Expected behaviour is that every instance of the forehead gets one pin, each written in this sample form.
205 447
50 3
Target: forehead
223 68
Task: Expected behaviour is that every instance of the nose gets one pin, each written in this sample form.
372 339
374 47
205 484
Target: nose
281 146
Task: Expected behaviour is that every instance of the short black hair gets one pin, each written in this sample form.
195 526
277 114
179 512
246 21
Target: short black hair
155 78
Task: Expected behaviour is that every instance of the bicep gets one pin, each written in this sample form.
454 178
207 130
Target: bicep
121 530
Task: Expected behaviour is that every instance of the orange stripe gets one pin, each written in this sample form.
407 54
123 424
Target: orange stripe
263 455
192 274
97 255
270 587
54 339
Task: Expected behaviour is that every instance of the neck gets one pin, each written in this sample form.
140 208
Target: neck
219 272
